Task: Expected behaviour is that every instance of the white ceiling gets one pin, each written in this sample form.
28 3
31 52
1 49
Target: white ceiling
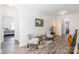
54 9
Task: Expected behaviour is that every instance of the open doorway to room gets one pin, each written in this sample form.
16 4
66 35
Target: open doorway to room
8 45
8 26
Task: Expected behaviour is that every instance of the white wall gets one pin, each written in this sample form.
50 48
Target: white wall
0 23
74 21
58 23
27 17
1 28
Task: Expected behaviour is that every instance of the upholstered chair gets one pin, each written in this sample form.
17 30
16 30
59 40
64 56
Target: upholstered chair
33 40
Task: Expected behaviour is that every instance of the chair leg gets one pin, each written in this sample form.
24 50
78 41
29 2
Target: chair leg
36 46
28 45
39 42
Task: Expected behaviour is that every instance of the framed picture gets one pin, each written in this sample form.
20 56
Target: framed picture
39 22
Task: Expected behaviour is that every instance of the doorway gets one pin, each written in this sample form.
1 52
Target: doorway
8 44
67 30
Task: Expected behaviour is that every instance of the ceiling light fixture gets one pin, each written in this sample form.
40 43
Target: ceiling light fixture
10 5
62 13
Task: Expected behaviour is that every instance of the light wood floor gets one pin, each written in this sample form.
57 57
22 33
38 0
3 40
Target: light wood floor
56 46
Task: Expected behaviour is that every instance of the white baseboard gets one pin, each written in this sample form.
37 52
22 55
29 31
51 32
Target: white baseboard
21 45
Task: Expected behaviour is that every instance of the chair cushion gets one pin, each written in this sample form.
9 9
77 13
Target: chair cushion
34 41
49 36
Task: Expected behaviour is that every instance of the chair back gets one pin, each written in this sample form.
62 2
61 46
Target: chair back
29 36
